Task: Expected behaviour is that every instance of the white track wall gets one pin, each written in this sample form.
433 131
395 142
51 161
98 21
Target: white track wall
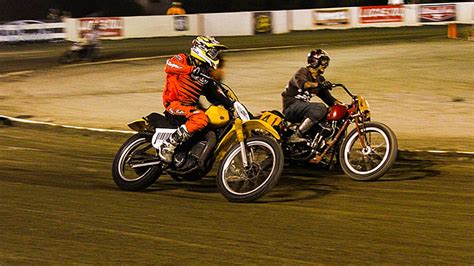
228 24
243 23
155 26
465 12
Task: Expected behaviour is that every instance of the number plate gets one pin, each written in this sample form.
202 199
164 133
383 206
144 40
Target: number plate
271 119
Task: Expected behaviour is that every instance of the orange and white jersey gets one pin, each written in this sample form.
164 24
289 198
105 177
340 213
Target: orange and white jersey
180 86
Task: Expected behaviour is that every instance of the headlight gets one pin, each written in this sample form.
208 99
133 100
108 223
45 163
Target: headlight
241 111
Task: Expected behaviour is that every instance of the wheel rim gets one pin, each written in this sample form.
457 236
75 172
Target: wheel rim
262 165
136 152
364 161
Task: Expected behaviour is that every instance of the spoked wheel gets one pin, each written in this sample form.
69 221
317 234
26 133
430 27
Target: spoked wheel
136 151
265 165
371 162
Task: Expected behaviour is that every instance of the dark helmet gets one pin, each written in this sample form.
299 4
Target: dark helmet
318 57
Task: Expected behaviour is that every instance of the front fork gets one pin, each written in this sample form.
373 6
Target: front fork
241 139
362 140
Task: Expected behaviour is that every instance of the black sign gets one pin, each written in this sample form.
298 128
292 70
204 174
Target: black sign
181 23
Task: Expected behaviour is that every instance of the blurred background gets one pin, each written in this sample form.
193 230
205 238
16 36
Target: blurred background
39 9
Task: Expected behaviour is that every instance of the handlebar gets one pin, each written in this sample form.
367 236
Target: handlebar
344 87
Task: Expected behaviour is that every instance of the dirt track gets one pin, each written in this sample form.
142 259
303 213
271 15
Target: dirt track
423 90
59 203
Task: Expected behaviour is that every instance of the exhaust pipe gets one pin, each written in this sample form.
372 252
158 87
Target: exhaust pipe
145 164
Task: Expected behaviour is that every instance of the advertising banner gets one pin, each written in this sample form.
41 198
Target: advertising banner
181 23
262 22
331 17
31 31
109 26
437 13
381 14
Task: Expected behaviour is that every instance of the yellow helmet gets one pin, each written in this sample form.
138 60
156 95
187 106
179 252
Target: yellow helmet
206 49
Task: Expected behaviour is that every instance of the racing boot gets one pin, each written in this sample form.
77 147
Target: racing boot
298 135
166 150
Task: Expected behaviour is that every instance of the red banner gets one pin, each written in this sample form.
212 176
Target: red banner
109 26
437 13
381 14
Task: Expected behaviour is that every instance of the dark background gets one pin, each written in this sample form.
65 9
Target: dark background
38 9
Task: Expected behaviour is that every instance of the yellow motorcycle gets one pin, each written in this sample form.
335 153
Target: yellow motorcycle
250 158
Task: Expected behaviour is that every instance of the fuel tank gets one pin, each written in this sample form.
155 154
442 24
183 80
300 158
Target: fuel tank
337 112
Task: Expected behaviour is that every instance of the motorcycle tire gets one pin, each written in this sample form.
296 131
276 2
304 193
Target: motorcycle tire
68 57
139 178
95 55
234 183
373 162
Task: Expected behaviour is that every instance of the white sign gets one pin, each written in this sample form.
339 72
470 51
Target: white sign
31 30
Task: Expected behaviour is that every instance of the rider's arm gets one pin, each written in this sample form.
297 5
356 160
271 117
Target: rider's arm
178 65
326 96
303 81
216 96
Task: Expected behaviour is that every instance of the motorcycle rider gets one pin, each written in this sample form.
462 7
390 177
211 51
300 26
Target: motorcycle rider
91 39
308 82
184 85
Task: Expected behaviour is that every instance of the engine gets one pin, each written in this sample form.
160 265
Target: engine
316 140
185 160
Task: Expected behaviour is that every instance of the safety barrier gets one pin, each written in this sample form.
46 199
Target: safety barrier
244 23
32 31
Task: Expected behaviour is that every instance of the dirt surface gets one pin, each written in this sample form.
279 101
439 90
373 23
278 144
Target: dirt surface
423 90
59 205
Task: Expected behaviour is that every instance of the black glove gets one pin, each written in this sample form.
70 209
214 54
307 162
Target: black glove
325 85
196 71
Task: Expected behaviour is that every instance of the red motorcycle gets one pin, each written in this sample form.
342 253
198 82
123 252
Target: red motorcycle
365 152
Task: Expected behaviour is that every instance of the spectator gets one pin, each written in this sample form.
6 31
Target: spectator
176 8
53 14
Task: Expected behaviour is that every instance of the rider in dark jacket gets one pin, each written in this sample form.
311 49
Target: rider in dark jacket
306 83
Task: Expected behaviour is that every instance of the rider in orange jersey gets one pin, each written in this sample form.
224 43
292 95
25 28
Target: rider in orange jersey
185 84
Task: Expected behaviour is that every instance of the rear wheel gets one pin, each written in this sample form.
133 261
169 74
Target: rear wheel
136 150
371 162
265 159
95 54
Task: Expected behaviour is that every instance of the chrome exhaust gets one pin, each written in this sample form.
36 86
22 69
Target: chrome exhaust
145 164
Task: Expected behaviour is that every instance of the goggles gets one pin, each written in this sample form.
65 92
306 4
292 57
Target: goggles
212 53
324 61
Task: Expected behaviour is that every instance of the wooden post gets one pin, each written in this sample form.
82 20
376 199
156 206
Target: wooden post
452 31
471 34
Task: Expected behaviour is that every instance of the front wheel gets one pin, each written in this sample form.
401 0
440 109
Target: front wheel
135 151
371 162
265 165
68 57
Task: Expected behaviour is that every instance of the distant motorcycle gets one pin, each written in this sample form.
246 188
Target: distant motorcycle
80 51
365 153
250 158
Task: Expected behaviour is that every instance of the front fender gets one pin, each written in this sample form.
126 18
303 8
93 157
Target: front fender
248 127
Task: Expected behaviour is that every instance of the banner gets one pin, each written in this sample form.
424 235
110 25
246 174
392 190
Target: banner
262 22
181 23
381 14
331 17
31 31
437 13
109 26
